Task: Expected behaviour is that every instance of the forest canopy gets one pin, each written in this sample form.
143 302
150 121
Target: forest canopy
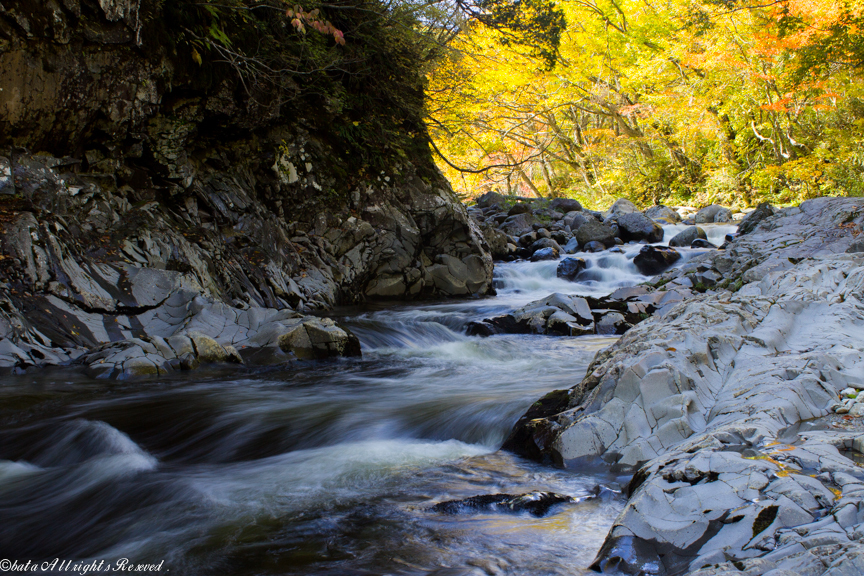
660 101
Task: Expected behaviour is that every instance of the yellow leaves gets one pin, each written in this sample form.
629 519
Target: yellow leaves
196 57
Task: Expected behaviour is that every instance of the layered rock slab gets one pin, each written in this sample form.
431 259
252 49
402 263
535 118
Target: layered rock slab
703 400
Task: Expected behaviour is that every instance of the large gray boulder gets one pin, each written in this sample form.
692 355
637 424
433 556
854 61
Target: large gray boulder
686 237
663 213
623 206
565 205
637 227
517 225
489 199
594 231
713 214
653 260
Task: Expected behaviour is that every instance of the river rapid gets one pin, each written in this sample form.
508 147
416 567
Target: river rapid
316 468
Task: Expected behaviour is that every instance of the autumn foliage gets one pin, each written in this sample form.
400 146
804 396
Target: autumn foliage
676 101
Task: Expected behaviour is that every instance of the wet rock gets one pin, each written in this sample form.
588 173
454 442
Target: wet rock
535 503
594 246
752 220
565 205
569 268
572 246
713 214
594 231
702 243
544 243
662 213
545 254
636 227
653 260
687 236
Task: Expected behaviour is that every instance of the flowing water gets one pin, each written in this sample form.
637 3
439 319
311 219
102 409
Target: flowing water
314 468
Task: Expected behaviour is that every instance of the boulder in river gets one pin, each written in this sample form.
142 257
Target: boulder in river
572 246
548 253
687 236
653 260
569 268
594 246
713 214
702 243
623 206
663 213
637 227
594 231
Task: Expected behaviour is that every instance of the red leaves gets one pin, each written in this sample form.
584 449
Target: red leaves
300 19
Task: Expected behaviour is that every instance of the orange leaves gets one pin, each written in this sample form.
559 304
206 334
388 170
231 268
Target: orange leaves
781 105
300 19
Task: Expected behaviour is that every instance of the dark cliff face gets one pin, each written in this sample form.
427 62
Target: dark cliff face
303 189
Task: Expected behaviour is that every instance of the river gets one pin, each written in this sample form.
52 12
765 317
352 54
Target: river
315 468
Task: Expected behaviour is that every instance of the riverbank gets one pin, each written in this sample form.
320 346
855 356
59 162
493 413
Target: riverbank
719 406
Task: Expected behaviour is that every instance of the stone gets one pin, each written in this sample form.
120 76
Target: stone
653 260
535 503
519 208
623 206
544 254
569 268
594 246
662 213
752 220
713 214
594 231
576 219
635 227
565 205
572 246
686 237
702 243
489 199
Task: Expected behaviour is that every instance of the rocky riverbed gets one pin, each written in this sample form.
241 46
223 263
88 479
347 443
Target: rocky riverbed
722 407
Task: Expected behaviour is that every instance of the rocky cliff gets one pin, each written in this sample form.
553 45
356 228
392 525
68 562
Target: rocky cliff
724 406
147 192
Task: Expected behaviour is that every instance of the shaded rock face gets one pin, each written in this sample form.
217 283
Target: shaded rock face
114 198
687 236
569 268
706 401
655 259
752 220
637 227
594 231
